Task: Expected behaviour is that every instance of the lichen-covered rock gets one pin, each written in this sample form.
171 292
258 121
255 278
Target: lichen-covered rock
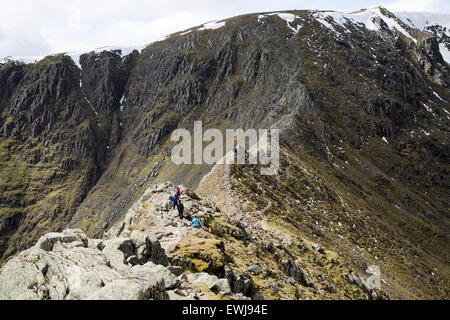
68 236
157 270
21 280
117 251
118 290
82 283
212 282
256 270
70 266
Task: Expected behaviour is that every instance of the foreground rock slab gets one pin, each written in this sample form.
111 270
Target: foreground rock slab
70 266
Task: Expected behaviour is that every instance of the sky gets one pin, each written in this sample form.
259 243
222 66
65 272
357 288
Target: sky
41 27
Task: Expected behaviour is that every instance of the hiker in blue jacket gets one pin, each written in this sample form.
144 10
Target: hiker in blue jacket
175 200
197 223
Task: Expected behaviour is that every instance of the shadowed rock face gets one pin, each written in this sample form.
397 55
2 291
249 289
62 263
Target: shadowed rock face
78 147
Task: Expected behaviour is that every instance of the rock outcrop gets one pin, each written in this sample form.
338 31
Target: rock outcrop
125 264
70 266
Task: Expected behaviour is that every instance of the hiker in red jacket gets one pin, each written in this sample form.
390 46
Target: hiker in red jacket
178 191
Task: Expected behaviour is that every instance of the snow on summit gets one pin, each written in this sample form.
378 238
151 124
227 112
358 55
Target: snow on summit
422 20
124 51
370 19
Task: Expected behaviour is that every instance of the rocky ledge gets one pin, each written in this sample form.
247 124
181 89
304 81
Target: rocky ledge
71 266
152 253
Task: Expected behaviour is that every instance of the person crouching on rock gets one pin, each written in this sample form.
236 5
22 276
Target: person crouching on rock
197 223
180 208
175 200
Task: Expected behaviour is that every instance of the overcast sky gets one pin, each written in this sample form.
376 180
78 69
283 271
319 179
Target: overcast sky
40 27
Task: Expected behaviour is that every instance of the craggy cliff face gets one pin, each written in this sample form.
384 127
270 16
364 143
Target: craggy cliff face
361 101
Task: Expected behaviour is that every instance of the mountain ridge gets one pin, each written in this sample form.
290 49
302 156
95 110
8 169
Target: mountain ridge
364 139
413 17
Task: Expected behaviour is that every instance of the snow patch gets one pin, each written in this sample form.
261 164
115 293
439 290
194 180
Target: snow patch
435 93
326 24
366 18
423 20
123 100
121 51
90 104
75 56
261 16
23 59
212 25
288 17
427 108
445 53
392 24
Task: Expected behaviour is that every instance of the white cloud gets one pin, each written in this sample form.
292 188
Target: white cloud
30 27
74 18
138 32
23 42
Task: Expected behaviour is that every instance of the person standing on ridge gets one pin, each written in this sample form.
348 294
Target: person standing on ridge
178 192
180 208
175 200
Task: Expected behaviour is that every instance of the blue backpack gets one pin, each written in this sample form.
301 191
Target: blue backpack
197 223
